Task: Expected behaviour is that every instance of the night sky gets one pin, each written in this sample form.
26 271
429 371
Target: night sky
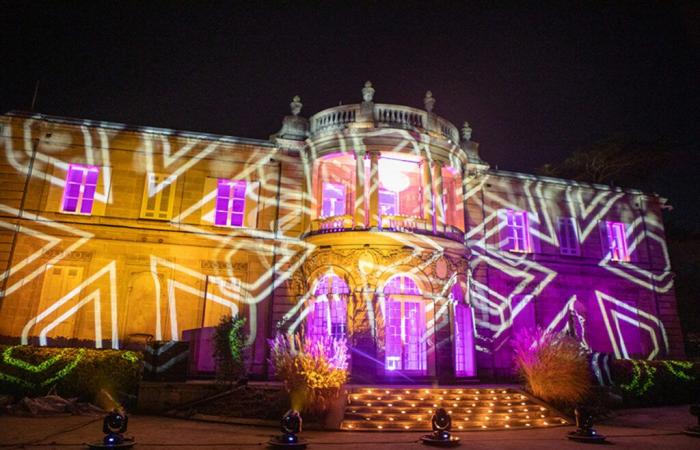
536 81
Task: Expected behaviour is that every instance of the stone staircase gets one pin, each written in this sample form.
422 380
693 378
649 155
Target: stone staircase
411 408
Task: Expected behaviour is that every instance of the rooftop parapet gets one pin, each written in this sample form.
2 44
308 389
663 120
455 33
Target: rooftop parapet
381 115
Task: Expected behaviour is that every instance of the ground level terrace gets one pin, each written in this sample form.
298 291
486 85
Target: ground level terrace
632 428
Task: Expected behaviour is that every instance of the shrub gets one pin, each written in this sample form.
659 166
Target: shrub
71 372
229 343
553 366
657 382
314 371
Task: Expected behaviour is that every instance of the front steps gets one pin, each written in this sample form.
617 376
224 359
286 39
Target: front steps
412 408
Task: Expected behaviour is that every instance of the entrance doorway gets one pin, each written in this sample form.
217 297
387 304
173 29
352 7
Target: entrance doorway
405 332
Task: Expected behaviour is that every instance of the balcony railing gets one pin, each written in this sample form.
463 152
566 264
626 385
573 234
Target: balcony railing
396 223
394 116
406 224
332 224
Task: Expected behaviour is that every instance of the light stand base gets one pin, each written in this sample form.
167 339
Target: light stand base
128 443
429 439
300 444
588 438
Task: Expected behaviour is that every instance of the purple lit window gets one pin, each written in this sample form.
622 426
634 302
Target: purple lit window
333 200
617 241
517 233
79 192
464 336
568 236
329 308
230 203
464 341
405 347
388 202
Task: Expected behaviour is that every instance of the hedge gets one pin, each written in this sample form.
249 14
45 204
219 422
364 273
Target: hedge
69 372
656 382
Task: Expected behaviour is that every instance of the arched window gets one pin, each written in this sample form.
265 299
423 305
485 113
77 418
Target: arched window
405 332
328 314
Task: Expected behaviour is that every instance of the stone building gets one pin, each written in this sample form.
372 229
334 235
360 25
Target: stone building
377 222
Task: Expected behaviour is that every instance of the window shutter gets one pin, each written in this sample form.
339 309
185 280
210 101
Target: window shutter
568 236
505 238
252 193
208 209
157 205
530 226
604 238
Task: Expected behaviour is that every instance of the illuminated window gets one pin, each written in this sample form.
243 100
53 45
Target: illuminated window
388 202
515 233
617 241
568 236
79 193
405 328
158 197
230 203
329 309
333 200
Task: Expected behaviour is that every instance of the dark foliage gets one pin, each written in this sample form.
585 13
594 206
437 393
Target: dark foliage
70 372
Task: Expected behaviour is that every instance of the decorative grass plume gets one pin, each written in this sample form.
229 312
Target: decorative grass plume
553 366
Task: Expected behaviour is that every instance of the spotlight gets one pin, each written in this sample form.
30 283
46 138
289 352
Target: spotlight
290 426
694 430
585 431
114 426
440 437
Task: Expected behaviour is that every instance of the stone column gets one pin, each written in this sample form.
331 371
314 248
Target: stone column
426 194
360 217
464 179
374 189
438 190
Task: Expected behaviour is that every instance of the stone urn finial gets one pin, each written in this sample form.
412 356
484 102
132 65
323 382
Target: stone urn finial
296 105
466 132
367 92
429 101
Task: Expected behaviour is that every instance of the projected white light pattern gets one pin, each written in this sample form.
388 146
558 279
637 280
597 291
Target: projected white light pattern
505 290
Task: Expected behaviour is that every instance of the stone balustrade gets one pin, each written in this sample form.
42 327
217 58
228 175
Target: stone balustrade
406 224
331 224
383 115
394 223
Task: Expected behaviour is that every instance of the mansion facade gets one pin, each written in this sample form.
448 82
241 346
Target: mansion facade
376 222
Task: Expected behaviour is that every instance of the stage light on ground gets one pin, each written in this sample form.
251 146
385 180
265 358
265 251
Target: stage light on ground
585 431
114 426
290 427
440 437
